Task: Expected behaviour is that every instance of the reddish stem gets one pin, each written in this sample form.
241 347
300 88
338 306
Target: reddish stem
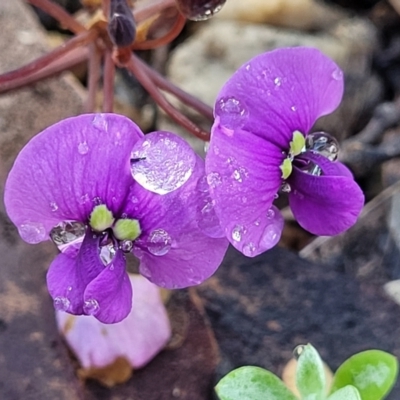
168 38
180 94
108 82
135 67
93 77
44 61
59 14
150 10
66 62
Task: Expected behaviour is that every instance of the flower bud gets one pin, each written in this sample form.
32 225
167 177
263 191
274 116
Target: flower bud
121 24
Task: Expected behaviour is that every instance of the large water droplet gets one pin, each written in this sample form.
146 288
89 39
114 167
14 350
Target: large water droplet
159 242
83 148
68 236
232 114
32 232
237 233
107 252
162 162
91 307
199 10
61 303
324 144
271 235
311 168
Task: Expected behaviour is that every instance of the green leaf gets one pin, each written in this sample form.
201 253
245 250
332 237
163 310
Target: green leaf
252 383
372 372
310 374
347 393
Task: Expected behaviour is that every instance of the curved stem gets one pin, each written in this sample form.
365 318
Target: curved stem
66 62
168 38
108 82
93 77
57 12
40 63
180 94
133 66
144 13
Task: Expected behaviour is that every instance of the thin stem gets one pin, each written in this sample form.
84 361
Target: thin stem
168 38
106 8
150 10
57 12
108 82
93 77
40 63
66 62
180 94
134 67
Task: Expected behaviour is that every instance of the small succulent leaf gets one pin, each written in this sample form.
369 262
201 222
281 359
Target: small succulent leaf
310 374
346 393
252 383
372 372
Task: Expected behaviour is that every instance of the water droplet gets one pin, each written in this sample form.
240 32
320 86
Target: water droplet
208 221
249 249
53 206
214 179
97 201
271 235
68 236
206 147
91 307
237 233
257 222
324 144
276 196
286 187
83 148
232 114
236 175
244 199
199 10
126 246
107 252
165 162
99 121
311 168
84 199
278 81
337 74
61 303
270 213
32 232
248 67
134 200
298 351
293 108
159 242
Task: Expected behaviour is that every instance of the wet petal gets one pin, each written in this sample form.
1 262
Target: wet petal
244 177
109 296
138 338
68 277
327 204
173 250
67 169
279 92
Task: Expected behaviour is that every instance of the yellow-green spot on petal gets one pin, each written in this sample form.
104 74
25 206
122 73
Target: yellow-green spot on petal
297 144
127 229
101 218
286 168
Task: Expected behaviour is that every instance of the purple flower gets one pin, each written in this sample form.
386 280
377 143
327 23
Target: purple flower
73 183
261 143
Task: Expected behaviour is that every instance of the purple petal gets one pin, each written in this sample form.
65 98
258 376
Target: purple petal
138 338
327 204
279 92
109 296
244 176
67 169
67 277
173 250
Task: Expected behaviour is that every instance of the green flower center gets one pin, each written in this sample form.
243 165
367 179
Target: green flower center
296 147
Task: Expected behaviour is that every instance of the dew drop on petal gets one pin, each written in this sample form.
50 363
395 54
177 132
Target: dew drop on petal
107 252
311 168
286 187
32 232
293 108
232 113
91 307
134 200
68 236
126 246
270 213
208 221
61 303
249 249
162 163
83 148
271 235
199 10
324 144
159 242
337 74
278 81
84 198
53 206
214 179
237 233
99 121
